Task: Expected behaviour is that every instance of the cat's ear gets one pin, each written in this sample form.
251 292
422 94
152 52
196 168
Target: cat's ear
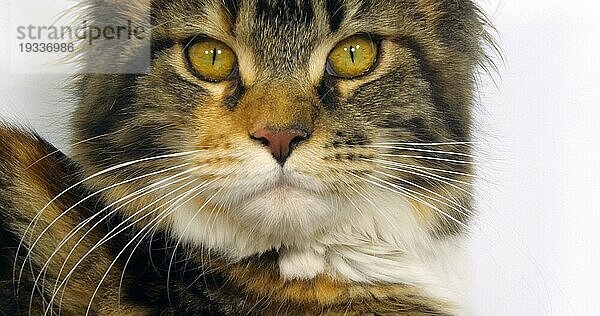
463 26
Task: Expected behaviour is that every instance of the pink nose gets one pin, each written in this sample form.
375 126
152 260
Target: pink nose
280 142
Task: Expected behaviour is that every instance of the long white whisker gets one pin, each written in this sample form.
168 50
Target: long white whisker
432 176
429 144
373 204
81 239
353 203
414 196
98 213
108 237
111 234
173 202
403 192
465 211
33 222
202 262
395 163
181 238
421 150
157 220
430 158
151 232
73 145
85 222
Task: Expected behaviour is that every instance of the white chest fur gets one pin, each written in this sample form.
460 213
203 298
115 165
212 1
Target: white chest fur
384 243
380 241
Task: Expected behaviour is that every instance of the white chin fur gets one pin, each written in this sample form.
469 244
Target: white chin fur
376 238
288 214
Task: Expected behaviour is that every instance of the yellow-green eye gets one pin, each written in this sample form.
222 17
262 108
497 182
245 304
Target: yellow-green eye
212 59
352 57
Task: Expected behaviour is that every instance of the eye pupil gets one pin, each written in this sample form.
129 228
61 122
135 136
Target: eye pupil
352 57
211 60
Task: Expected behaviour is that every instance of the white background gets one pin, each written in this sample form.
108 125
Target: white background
536 249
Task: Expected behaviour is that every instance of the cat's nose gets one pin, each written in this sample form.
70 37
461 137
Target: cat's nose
280 142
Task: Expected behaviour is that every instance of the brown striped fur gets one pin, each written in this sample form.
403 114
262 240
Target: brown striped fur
421 91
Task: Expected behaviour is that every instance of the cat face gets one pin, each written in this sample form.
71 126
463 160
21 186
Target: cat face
274 120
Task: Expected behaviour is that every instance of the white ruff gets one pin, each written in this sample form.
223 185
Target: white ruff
374 238
381 243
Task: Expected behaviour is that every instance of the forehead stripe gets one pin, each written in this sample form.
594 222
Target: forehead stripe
233 7
336 12
276 11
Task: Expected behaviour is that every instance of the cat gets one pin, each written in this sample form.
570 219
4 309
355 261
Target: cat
277 157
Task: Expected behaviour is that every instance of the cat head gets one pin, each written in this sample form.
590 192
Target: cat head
273 118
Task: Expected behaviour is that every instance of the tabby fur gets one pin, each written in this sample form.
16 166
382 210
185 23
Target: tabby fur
381 198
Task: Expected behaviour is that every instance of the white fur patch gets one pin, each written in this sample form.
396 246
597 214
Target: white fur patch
372 237
384 243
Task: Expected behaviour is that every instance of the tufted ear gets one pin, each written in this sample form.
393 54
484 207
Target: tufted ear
115 36
462 25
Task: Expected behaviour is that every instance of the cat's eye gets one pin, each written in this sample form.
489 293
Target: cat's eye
212 60
353 57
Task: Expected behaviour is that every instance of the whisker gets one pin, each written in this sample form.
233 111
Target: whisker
422 170
468 212
353 203
172 203
35 219
97 214
430 158
181 238
430 144
403 192
112 212
421 150
432 176
72 145
373 204
105 238
157 220
395 163
176 199
111 235
203 264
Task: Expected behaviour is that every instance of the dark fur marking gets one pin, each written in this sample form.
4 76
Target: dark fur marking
272 12
336 12
233 7
234 97
418 127
327 92
158 46
432 76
